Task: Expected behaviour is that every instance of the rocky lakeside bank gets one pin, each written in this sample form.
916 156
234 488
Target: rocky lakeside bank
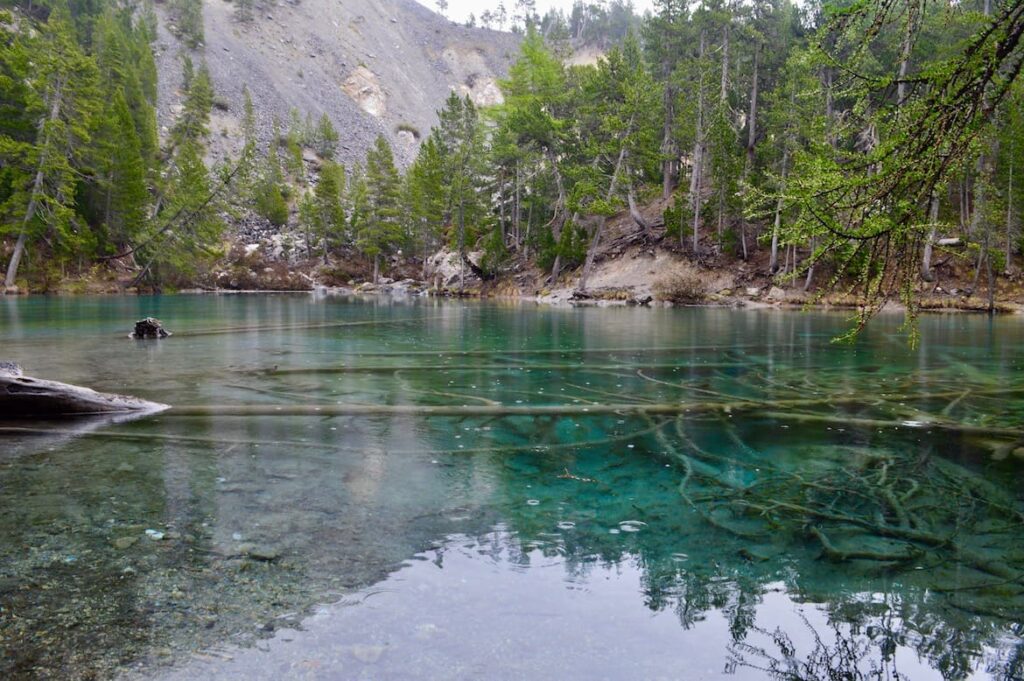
631 269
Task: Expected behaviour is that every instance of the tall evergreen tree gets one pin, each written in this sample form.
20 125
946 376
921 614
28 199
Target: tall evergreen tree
62 98
381 230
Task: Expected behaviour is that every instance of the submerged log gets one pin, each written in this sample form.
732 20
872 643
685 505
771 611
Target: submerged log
24 396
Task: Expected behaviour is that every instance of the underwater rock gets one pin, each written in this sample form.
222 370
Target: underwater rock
367 653
24 396
123 543
149 327
266 554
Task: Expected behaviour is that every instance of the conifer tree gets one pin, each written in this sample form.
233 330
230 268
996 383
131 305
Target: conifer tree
382 229
270 200
63 98
190 226
124 193
325 137
424 196
189 17
191 126
328 214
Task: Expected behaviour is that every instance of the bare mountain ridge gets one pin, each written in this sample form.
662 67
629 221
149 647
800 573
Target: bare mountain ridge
374 66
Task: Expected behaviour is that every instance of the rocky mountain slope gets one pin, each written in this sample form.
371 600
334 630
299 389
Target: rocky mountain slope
374 66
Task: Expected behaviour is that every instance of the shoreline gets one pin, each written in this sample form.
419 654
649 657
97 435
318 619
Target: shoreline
563 298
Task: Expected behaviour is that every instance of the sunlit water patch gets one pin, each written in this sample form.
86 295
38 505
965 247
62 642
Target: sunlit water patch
455 490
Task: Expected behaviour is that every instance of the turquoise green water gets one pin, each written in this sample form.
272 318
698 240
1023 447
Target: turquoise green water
760 501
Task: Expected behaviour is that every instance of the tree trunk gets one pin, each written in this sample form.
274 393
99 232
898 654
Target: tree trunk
596 241
558 220
376 268
748 165
23 396
634 212
933 218
723 93
991 285
462 245
810 270
37 187
773 263
1009 217
668 164
515 206
698 156
908 44
752 114
12 267
501 208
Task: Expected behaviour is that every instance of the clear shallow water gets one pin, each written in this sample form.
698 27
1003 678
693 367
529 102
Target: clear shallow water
809 507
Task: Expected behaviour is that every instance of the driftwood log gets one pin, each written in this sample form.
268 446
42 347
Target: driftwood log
24 396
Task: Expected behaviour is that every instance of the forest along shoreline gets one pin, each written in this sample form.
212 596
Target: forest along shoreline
699 157
631 268
643 273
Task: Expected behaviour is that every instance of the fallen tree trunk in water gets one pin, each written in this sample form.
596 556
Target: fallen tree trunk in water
23 396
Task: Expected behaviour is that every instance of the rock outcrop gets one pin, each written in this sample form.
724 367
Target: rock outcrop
373 66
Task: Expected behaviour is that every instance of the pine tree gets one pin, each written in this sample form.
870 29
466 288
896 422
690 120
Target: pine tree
189 225
382 229
293 146
124 195
325 137
328 212
459 141
424 196
191 126
63 99
189 17
270 201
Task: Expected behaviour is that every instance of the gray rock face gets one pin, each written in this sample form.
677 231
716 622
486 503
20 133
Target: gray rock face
373 66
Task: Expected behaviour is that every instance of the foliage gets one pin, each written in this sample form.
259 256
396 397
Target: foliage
681 289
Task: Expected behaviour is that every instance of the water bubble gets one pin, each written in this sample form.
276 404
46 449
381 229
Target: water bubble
566 525
613 530
532 502
632 525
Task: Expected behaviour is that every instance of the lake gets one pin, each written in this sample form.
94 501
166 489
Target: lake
446 490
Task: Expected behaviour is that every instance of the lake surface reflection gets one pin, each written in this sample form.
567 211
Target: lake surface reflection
759 502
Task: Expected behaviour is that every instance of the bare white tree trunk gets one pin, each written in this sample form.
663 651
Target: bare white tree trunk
773 264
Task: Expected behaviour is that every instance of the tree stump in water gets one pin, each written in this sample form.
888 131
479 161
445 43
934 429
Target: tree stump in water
23 396
149 328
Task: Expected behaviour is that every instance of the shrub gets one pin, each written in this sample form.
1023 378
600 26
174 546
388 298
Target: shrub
681 289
